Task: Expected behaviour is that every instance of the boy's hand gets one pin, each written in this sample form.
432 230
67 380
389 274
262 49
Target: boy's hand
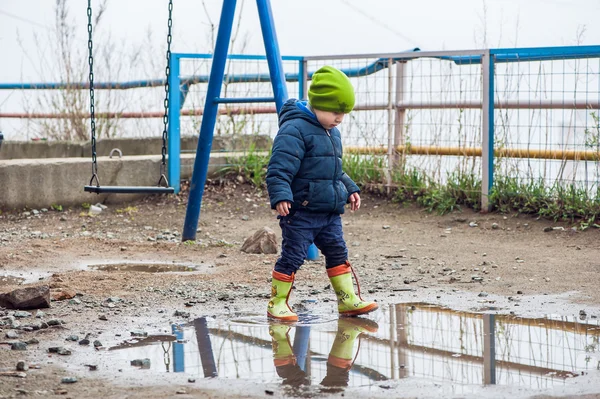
283 208
354 201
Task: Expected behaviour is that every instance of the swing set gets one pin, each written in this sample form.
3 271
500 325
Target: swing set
211 105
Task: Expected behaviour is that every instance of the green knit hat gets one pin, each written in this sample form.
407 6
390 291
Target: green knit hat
331 91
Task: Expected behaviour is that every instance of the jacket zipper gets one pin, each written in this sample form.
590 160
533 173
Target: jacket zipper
334 170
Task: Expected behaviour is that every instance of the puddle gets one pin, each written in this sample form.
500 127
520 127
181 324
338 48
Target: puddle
10 280
435 350
9 277
146 267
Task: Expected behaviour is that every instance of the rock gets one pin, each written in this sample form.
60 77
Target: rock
97 344
60 294
84 341
495 226
20 314
69 380
72 338
386 227
27 298
263 241
138 333
473 224
482 294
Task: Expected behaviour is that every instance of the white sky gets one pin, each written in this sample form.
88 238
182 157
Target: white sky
307 27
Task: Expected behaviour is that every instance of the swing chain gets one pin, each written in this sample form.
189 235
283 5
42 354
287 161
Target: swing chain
166 102
92 108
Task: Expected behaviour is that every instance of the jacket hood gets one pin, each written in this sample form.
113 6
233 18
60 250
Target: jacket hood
296 109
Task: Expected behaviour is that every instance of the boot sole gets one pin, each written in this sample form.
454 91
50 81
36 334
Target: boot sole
358 312
286 318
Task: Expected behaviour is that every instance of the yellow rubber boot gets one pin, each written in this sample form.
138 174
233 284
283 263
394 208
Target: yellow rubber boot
341 354
281 287
283 354
349 304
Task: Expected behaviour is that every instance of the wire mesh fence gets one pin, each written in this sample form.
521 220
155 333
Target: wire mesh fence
420 115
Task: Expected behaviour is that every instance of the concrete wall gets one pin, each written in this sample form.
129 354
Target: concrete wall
128 146
40 183
38 174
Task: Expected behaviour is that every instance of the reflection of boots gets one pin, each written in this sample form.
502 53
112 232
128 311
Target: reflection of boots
349 304
341 355
282 349
281 287
284 358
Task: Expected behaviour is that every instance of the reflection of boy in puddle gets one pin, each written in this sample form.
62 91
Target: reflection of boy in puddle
341 356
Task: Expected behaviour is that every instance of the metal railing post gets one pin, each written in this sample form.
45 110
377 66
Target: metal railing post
400 117
391 153
174 128
303 79
487 130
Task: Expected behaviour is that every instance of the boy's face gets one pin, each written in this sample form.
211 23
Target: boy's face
329 120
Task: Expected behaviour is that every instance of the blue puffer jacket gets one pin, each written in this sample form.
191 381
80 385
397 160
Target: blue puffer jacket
306 163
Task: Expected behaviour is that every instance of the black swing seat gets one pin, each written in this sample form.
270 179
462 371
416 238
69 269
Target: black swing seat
129 190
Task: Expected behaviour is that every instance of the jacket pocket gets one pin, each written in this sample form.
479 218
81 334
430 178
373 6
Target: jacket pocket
343 192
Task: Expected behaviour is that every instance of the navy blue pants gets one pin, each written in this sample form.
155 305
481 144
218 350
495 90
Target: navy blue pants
302 228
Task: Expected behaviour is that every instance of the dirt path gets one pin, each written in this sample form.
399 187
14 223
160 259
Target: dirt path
464 260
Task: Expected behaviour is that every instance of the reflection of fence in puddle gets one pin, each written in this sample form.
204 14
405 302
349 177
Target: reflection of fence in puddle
413 341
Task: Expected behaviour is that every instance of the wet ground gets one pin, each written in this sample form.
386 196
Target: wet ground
418 349
466 312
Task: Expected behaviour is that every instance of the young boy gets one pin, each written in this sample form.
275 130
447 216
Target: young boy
309 190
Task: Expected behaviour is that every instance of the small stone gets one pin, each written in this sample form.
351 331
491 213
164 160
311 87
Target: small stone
84 341
386 227
138 333
18 346
245 218
69 380
12 334
495 226
180 313
143 363
22 366
102 317
192 380
97 344
72 338
482 294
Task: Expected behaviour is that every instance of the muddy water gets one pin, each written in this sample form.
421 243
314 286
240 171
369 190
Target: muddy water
439 350
146 267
